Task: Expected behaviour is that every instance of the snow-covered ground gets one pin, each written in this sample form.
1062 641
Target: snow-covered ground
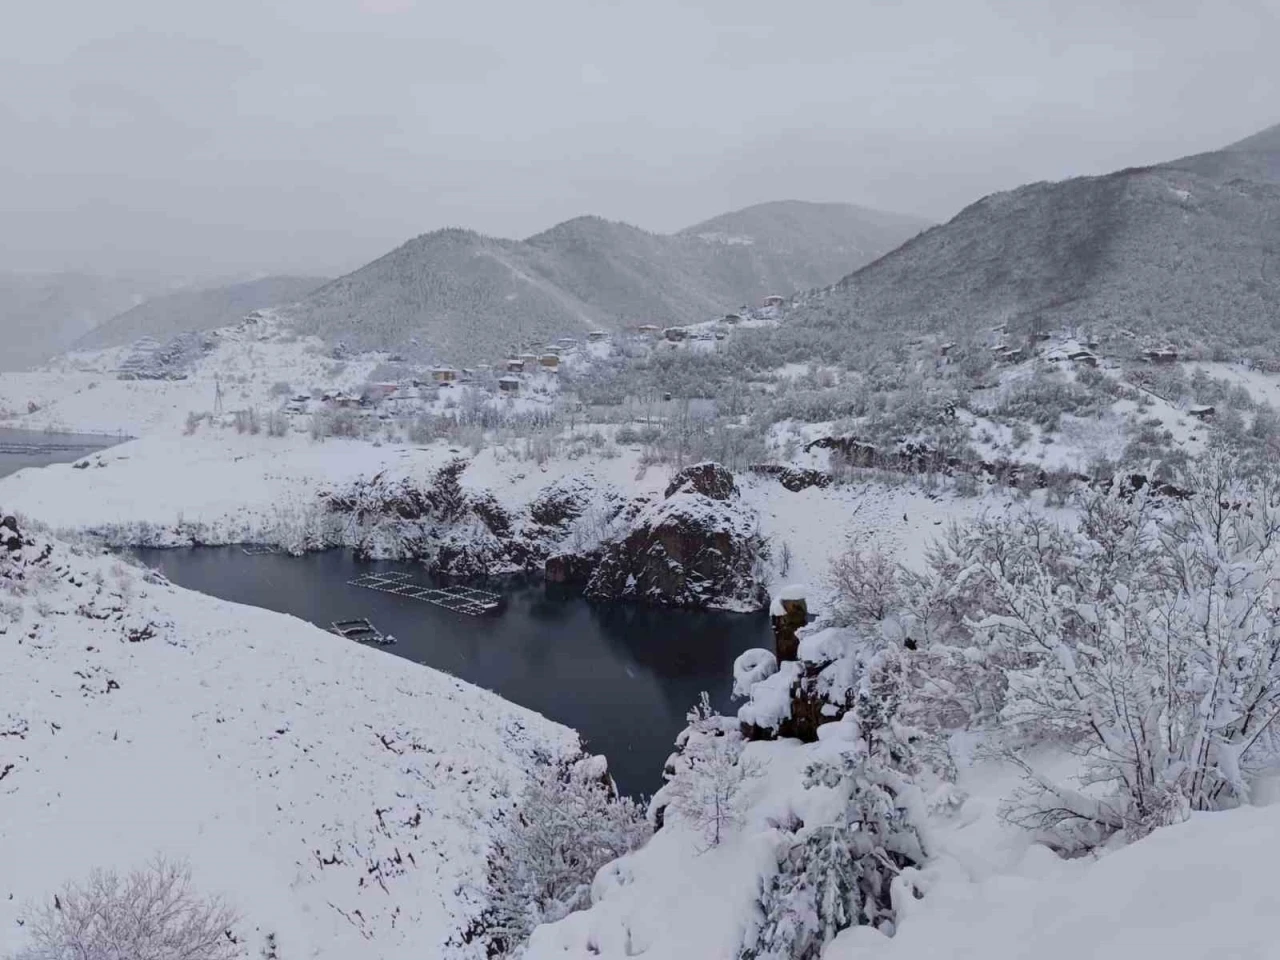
1196 890
339 798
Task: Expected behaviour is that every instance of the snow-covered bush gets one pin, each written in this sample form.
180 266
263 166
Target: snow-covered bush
152 914
1144 638
569 823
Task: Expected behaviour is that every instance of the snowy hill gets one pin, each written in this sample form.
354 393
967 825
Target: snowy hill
188 311
456 295
1185 250
341 799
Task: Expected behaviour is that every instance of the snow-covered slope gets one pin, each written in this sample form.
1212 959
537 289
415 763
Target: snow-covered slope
339 798
1183 250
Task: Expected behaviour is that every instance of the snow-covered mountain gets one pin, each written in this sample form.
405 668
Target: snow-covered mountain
1184 250
188 311
457 295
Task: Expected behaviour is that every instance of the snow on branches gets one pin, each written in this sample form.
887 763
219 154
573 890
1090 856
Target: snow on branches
1144 638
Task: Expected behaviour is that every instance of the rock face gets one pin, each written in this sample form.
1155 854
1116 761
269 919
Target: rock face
707 479
794 479
697 547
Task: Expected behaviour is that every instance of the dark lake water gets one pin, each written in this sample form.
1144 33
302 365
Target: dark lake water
31 448
622 676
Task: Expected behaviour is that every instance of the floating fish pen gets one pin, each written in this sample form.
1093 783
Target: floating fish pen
468 600
361 631
258 550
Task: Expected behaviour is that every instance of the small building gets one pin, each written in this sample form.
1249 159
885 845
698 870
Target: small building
508 385
551 361
1163 356
530 359
773 300
1086 358
1010 354
647 329
1039 337
567 342
732 318
343 401
515 365
675 334
595 336
1202 412
444 375
377 392
946 348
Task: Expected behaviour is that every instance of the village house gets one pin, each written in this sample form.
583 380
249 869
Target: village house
1202 412
675 334
1163 356
550 361
515 366
647 329
508 385
595 336
342 401
444 375
773 300
377 392
1085 358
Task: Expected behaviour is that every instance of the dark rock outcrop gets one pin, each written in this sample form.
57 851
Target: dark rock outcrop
706 478
10 536
794 479
697 547
570 568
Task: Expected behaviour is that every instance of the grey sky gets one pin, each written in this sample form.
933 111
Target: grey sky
212 136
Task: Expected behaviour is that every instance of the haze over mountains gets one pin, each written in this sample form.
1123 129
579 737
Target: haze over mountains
459 296
1188 250
187 311
43 313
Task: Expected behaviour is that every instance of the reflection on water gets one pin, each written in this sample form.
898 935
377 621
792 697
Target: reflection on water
622 676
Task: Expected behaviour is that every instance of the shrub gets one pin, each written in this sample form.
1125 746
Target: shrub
152 914
570 823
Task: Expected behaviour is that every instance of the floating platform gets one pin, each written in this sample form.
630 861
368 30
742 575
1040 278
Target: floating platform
468 600
361 631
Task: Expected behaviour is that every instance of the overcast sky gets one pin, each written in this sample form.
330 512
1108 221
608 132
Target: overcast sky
216 136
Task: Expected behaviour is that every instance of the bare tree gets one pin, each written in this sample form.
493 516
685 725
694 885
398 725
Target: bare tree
152 914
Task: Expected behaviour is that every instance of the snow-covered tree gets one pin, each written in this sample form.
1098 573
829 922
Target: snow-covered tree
569 823
706 789
842 873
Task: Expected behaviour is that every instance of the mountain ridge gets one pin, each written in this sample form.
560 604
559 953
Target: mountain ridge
1185 249
458 295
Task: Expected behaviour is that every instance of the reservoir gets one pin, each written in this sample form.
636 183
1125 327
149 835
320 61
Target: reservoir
623 676
20 449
